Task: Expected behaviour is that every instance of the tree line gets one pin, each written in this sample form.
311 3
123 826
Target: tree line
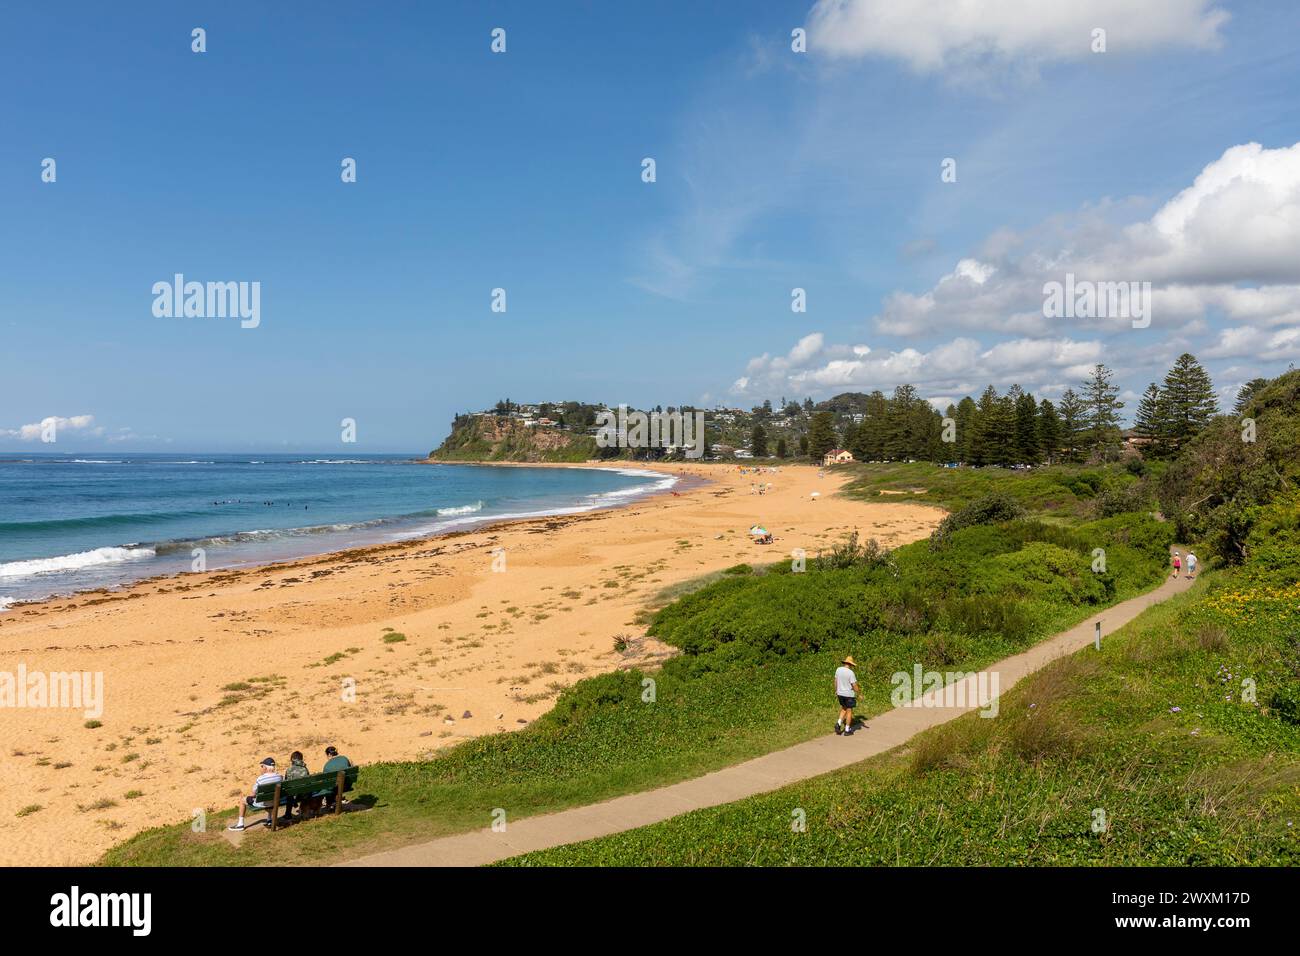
1015 427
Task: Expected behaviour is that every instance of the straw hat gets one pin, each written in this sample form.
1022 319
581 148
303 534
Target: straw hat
850 661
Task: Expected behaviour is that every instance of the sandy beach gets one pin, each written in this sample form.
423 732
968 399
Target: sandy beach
205 674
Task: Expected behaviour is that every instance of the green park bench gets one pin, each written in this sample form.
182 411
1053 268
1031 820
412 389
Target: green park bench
337 782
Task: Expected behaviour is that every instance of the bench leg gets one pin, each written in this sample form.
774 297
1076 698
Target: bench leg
275 808
338 792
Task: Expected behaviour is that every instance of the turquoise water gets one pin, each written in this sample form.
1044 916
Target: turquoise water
72 523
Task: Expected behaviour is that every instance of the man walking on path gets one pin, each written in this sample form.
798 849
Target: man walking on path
846 689
1191 565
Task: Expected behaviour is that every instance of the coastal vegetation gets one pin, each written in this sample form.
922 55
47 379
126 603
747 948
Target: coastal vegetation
1177 744
1144 754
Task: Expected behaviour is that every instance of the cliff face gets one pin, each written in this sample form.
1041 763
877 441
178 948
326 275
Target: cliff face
488 438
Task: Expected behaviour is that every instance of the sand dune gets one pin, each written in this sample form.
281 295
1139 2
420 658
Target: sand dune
205 674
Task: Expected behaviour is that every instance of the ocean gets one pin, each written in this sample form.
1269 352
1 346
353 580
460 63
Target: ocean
72 523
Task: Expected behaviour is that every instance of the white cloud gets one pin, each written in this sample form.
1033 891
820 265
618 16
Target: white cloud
1239 220
1260 344
1227 244
81 424
961 365
969 296
935 35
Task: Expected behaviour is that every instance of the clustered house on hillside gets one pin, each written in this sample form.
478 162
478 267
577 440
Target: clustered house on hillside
837 456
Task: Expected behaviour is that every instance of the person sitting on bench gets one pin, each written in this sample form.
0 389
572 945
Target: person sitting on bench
333 764
297 769
267 775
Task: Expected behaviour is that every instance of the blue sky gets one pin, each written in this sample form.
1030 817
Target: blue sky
522 170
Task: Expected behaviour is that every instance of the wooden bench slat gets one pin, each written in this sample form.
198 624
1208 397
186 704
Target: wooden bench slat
317 783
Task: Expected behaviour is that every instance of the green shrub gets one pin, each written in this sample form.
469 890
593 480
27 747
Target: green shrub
988 614
1285 703
993 508
1084 484
1273 542
1118 499
1047 571
594 693
848 553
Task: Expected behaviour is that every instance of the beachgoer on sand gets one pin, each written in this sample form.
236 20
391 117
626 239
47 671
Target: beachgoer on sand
846 692
266 775
1178 564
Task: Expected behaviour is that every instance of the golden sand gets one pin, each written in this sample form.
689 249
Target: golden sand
206 674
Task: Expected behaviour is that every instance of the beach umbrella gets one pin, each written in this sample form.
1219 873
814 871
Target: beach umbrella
758 531
815 494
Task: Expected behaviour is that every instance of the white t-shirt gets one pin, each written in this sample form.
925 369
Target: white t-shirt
1191 560
270 777
844 681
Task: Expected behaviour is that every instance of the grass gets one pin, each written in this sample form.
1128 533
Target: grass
1143 754
1061 492
758 650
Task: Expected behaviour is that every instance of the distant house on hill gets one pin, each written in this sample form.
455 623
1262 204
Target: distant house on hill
837 456
1133 441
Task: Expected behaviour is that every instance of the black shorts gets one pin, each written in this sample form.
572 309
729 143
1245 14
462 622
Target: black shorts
848 703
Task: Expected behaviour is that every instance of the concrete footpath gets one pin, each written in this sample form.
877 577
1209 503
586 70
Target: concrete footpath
761 774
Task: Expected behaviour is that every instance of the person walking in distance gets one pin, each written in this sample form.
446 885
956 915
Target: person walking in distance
846 691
